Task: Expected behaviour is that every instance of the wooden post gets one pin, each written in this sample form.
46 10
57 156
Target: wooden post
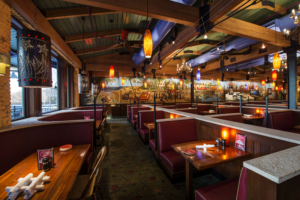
196 101
137 100
155 125
217 104
266 112
94 124
240 103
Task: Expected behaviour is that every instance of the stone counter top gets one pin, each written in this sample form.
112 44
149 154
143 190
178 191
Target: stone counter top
277 167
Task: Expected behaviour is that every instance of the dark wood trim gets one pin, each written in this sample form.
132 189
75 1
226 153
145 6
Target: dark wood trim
71 86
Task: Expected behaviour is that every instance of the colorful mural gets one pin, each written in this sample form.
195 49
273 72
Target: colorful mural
166 89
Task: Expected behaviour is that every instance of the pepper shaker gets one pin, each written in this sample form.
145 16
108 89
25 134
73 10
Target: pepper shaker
45 164
223 143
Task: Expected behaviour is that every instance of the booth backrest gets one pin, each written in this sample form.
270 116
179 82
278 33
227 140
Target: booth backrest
235 103
225 110
281 120
176 132
203 108
183 105
90 108
242 188
74 115
167 107
134 111
234 117
188 110
148 117
16 145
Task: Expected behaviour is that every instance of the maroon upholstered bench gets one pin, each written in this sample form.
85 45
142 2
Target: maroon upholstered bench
234 117
171 132
133 120
183 105
203 108
225 110
234 188
148 117
128 111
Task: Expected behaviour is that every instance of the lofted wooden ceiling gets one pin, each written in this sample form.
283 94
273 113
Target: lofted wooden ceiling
65 17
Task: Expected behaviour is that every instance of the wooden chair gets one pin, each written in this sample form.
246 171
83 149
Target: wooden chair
100 132
99 172
105 116
84 186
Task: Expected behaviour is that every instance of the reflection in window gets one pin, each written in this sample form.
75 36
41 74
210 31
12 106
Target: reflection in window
16 93
50 95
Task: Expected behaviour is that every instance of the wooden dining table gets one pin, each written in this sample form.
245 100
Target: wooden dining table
254 120
150 127
200 160
62 175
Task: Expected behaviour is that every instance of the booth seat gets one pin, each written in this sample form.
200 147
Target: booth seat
174 132
282 120
203 107
225 110
18 143
148 117
183 105
128 111
74 115
235 117
133 120
230 189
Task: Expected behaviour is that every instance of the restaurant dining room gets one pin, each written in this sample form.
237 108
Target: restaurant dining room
150 100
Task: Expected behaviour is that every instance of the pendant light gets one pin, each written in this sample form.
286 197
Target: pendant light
256 87
34 58
274 75
198 75
95 87
263 82
246 87
4 62
103 85
123 80
83 80
273 84
276 61
112 69
181 82
145 84
173 86
276 88
218 82
148 43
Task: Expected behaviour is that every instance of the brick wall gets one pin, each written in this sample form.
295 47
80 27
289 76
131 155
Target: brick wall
5 22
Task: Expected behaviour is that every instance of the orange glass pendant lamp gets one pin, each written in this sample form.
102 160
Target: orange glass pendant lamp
181 82
111 72
103 84
123 80
145 84
148 44
218 82
173 86
273 84
276 61
274 75
276 88
263 82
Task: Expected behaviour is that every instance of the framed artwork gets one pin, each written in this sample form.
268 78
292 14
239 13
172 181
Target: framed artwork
240 141
45 153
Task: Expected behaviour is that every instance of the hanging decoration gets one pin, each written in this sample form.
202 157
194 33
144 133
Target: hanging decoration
198 75
263 82
273 84
148 43
274 75
111 72
34 59
276 61
184 67
4 62
103 85
123 80
218 82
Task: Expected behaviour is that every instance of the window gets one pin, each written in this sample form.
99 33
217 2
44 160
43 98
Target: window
50 95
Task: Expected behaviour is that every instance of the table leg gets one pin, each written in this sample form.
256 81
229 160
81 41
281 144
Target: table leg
189 180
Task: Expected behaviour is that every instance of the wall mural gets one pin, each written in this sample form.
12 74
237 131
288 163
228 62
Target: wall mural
166 89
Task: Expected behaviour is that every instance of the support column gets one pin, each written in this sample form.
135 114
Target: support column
292 76
192 88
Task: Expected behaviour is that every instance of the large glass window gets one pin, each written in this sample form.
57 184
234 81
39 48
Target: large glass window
50 95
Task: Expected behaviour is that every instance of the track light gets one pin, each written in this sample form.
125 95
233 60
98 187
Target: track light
263 46
160 64
205 36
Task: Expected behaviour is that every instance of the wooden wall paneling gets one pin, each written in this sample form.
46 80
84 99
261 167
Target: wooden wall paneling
264 149
71 86
61 84
256 150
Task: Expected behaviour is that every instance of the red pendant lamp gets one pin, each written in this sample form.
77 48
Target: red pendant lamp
263 82
103 84
111 72
181 82
274 75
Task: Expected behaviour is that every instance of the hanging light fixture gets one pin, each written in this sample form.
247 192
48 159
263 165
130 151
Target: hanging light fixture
4 62
276 61
173 86
83 80
123 80
34 58
148 43
198 75
273 84
246 87
103 85
145 84
256 87
263 82
274 75
95 87
180 81
276 88
111 72
218 82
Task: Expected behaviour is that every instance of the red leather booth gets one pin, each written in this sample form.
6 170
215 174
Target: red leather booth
225 110
133 120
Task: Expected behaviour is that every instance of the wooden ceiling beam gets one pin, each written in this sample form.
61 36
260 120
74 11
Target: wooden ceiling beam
26 9
245 29
102 48
116 57
260 6
109 33
105 67
75 12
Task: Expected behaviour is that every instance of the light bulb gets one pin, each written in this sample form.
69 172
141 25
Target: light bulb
263 46
205 36
173 42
